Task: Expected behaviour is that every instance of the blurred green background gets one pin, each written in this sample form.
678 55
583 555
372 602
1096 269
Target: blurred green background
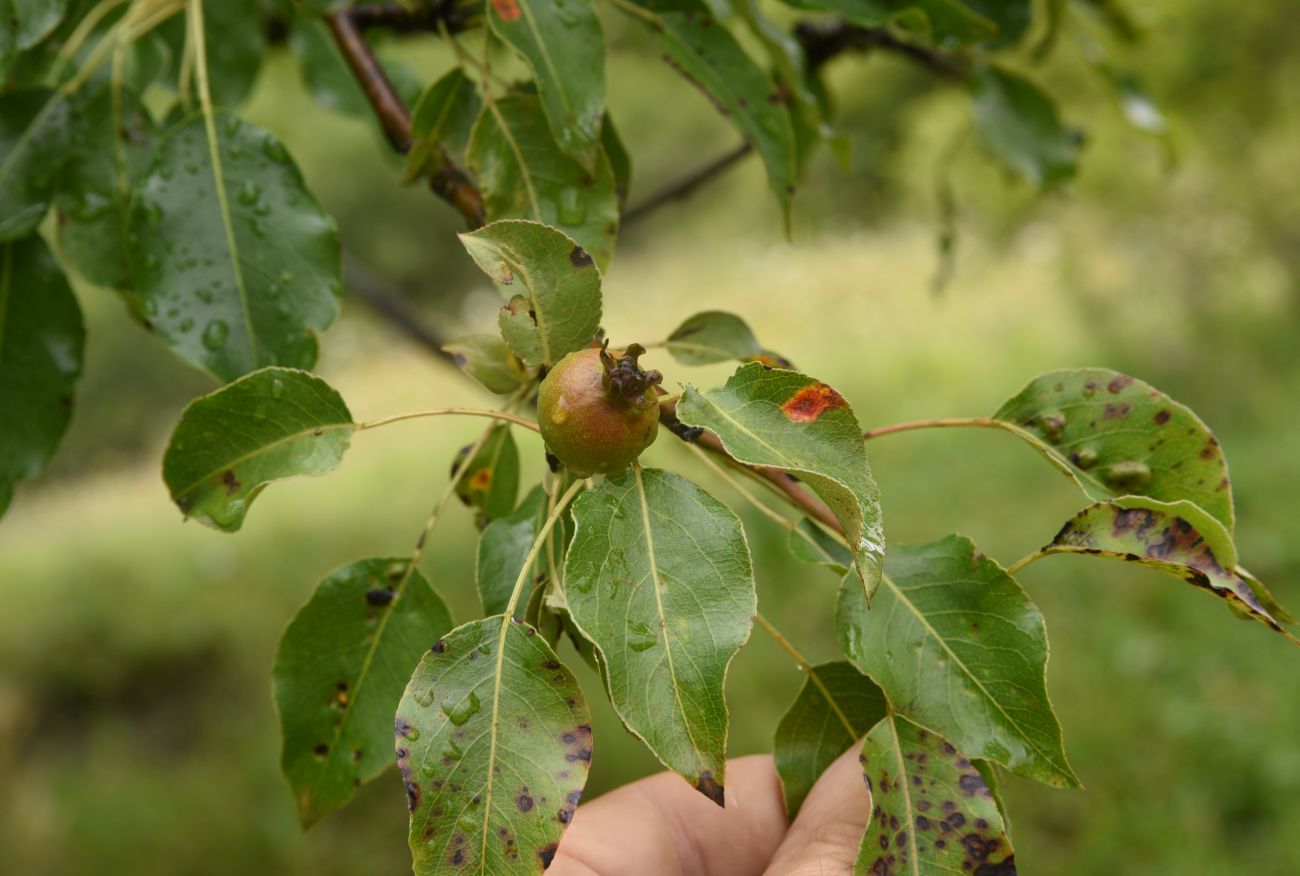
137 733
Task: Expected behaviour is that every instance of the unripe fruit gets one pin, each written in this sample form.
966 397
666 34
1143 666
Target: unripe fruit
597 412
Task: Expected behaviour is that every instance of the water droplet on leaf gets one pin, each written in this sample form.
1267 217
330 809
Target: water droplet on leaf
214 334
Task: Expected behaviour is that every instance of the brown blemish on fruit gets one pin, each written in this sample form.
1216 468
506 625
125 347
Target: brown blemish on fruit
230 482
709 787
811 402
507 9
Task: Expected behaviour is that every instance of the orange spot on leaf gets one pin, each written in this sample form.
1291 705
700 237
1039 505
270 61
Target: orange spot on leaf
507 9
481 479
811 402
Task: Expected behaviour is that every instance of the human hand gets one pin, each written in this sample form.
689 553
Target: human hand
660 826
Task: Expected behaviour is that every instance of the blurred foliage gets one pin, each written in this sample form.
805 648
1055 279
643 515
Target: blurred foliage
135 711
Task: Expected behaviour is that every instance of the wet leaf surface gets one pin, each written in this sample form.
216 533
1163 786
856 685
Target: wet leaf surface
786 420
493 740
931 810
236 265
957 646
835 707
659 577
42 339
272 424
341 667
557 310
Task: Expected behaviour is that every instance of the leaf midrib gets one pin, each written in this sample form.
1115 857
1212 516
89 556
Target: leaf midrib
279 442
907 793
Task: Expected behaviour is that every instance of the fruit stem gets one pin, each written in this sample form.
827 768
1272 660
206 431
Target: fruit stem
936 423
441 412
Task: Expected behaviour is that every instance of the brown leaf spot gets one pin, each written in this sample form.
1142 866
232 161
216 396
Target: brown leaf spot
481 480
321 750
230 482
1161 418
811 402
412 796
546 854
507 9
379 596
578 256
1114 410
1119 383
709 787
524 802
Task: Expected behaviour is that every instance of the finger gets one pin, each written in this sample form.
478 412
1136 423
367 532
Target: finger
661 826
825 835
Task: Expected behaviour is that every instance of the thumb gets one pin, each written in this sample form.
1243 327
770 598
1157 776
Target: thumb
824 838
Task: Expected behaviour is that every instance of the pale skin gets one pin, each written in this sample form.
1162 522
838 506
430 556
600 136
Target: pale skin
660 826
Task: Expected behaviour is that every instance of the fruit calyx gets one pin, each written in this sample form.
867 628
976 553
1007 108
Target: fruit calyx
625 381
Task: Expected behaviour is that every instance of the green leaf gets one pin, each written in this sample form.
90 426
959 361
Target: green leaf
41 344
1012 17
713 336
33 20
947 23
235 38
658 576
442 119
563 45
561 310
523 175
491 482
957 646
323 69
931 811
1175 537
502 549
1121 436
35 132
812 544
341 667
94 192
272 424
488 360
619 160
786 420
709 57
1019 126
494 745
236 265
834 708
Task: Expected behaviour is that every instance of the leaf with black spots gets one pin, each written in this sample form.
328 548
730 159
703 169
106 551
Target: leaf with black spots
834 708
564 46
1019 126
559 308
236 266
341 667
502 549
494 744
490 483
1119 435
931 810
957 646
713 336
659 577
786 420
523 174
1177 538
42 339
272 424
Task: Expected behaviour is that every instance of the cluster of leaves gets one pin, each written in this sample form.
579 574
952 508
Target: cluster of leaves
114 119
117 122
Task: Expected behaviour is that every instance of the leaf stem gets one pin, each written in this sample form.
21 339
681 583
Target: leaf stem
441 412
536 549
1026 560
936 423
808 670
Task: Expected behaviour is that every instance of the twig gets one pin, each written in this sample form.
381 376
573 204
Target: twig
686 186
937 423
823 40
390 305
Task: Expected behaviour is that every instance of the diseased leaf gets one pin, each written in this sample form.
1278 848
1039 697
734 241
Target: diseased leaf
561 308
957 646
41 346
491 482
502 549
787 420
810 543
1175 537
523 175
834 708
272 424
35 132
708 56
563 45
494 745
931 811
1122 436
94 189
713 336
488 360
1019 126
341 667
442 120
236 265
658 576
